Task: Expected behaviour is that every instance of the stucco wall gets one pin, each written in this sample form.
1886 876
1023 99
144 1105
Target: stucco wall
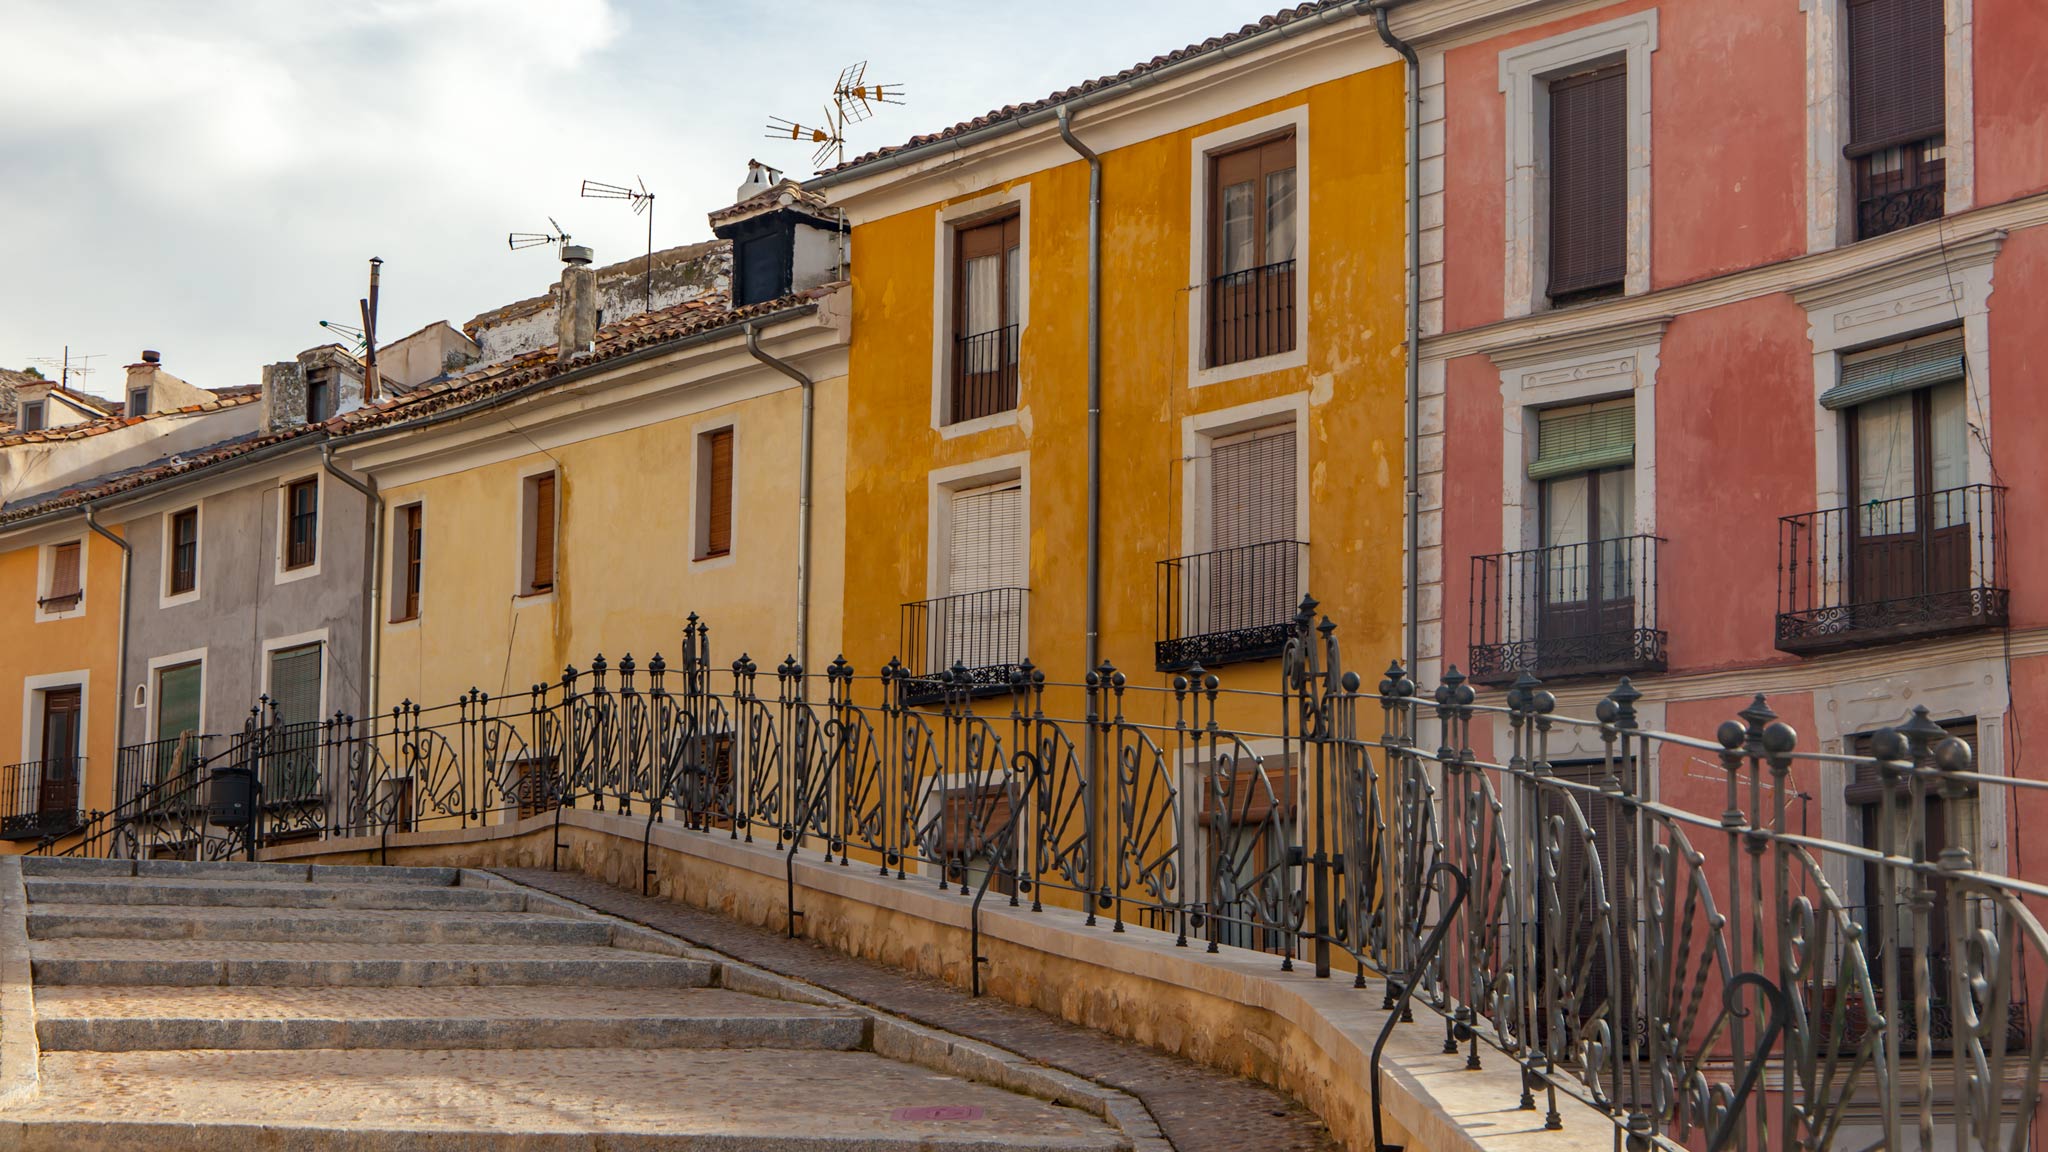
82 643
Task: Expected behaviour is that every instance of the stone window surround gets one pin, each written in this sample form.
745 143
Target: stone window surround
1201 430
284 575
395 560
33 687
165 598
700 495
523 529
1524 71
146 694
1200 149
299 640
942 485
947 223
46 570
1829 222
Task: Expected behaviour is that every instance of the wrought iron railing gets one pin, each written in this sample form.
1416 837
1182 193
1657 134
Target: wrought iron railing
140 769
40 797
1228 605
1915 566
1564 611
1693 979
1251 313
977 637
984 374
1900 186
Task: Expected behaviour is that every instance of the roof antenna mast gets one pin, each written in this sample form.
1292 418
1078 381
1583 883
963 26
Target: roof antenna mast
854 98
642 201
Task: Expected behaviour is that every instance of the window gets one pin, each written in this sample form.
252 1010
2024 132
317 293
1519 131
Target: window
31 416
986 294
302 523
1588 184
65 590
1252 574
409 542
1585 475
291 772
1259 814
63 753
979 622
537 574
1865 795
1908 444
714 499
319 395
1896 113
1611 821
1251 251
138 402
178 696
184 542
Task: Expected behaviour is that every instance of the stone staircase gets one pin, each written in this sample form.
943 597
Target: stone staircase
220 1006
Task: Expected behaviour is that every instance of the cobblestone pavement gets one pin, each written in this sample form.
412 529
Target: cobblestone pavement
1200 1109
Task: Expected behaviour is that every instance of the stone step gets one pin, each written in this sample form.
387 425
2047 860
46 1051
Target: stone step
130 1019
212 893
77 867
543 1101
160 922
244 963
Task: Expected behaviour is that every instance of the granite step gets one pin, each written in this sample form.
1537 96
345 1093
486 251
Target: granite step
536 1101
74 867
278 964
169 922
202 892
141 1018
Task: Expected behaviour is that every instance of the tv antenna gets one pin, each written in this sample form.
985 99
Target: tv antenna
352 338
69 365
642 201
855 98
517 240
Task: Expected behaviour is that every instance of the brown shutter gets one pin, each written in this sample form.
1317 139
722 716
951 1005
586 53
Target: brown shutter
1895 73
1588 181
412 561
543 532
64 573
718 525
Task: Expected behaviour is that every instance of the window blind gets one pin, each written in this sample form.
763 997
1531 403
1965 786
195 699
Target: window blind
543 574
1251 488
1584 438
64 572
987 546
1895 73
1588 181
1901 368
718 494
177 701
295 684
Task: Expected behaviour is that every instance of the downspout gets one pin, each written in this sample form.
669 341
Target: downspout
1094 612
373 587
1411 579
803 495
121 644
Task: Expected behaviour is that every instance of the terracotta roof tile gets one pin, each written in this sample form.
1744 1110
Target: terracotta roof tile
105 424
113 484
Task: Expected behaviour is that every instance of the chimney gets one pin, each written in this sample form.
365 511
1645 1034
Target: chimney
760 178
575 304
140 398
284 396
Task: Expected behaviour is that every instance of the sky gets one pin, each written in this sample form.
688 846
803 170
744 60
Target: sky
209 178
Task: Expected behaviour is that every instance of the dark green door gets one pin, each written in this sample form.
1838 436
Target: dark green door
177 716
293 772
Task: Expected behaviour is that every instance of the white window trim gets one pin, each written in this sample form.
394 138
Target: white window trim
286 575
46 570
1198 435
700 494
1193 767
297 640
1524 75
394 551
947 223
32 717
946 483
149 681
165 598
523 533
1199 151
1830 215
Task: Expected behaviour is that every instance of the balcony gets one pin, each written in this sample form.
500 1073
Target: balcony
966 644
1228 605
1251 314
161 773
39 798
984 374
1568 610
1900 186
1932 564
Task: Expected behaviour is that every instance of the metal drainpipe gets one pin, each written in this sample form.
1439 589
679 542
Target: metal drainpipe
121 643
1094 611
1412 578
373 584
803 498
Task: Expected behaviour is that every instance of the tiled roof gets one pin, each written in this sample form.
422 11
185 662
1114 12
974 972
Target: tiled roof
225 398
767 198
1013 111
114 483
84 400
663 258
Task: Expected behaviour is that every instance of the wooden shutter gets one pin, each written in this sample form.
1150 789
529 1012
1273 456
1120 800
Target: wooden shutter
302 512
542 575
185 551
987 546
32 416
177 700
718 493
64 583
1584 438
414 538
1895 73
1588 181
295 684
1251 488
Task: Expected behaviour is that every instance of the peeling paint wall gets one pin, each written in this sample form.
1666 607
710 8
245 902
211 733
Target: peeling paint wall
680 275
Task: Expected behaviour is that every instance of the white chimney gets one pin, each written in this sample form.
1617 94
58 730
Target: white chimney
576 304
760 178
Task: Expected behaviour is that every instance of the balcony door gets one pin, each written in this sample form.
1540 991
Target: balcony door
1250 577
63 745
1911 528
979 622
295 697
177 717
988 294
1585 470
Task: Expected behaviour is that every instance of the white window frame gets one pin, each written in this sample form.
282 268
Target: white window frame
1200 150
947 224
21 411
1830 187
700 493
1199 434
32 688
165 598
1525 75
300 640
394 552
943 486
46 570
156 665
524 527
282 503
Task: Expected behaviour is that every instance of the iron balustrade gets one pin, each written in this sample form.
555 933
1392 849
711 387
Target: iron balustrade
984 374
1251 313
975 637
1230 604
141 769
1692 979
1930 564
1900 186
1567 610
40 797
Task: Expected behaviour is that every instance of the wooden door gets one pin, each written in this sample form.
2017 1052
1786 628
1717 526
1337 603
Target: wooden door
63 714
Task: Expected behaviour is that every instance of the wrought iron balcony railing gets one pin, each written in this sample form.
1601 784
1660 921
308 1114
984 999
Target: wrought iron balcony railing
1251 313
1900 186
1932 564
984 374
1568 610
969 642
39 798
144 770
1230 604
